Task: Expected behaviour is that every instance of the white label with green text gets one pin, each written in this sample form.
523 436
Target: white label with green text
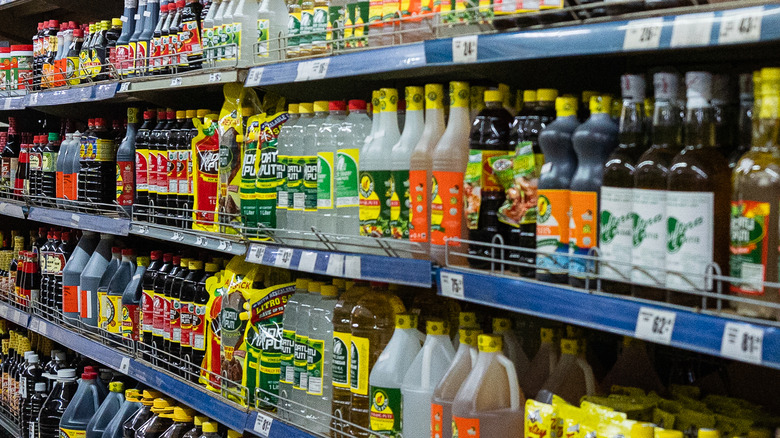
689 225
649 247
615 233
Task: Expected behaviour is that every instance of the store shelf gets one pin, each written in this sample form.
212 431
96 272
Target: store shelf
81 221
12 209
704 332
195 78
397 270
9 426
14 315
80 94
201 239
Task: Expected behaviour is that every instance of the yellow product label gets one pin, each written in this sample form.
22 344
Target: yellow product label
105 150
70 433
358 365
538 419
340 362
390 10
414 98
110 316
459 94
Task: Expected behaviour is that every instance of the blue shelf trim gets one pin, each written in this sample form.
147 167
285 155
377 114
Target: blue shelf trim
72 95
82 221
693 331
12 209
14 315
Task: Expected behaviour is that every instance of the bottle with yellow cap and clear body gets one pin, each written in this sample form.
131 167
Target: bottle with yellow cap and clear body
285 148
107 411
129 407
572 378
310 170
756 184
288 356
142 415
552 223
444 394
512 345
306 306
387 408
542 365
210 430
422 377
182 423
490 401
161 419
197 429
296 163
414 125
319 358
634 367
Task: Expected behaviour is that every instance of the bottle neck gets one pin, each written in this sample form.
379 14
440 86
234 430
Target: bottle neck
766 131
700 127
632 124
666 124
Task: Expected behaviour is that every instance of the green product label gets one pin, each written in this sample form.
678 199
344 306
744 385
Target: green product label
307 26
267 314
282 197
749 245
320 25
325 180
295 182
267 184
287 357
346 181
385 412
294 30
376 191
336 25
254 349
472 179
310 183
262 37
49 161
300 362
247 188
399 205
340 360
315 360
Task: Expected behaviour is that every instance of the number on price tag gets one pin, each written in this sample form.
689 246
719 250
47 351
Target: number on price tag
201 241
215 77
124 366
175 82
352 267
263 424
283 257
741 26
335 265
742 342
254 77
452 285
464 49
655 325
143 229
692 30
177 236
643 34
124 87
308 261
255 254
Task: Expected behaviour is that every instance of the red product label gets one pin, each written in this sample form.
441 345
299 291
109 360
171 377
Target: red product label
156 52
112 56
85 305
198 329
142 51
130 321
122 56
215 339
152 182
437 420
206 183
70 299
190 38
60 189
159 312
446 206
418 192
141 169
163 167
125 189
185 322
175 321
466 427
166 316
147 311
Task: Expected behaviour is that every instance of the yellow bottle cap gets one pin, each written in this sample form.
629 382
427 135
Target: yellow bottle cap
600 104
708 433
340 283
414 98
166 412
329 291
493 96
314 287
436 327
196 264
142 261
569 346
529 96
133 395
459 94
405 321
116 386
181 114
302 284
202 113
501 325
212 267
150 396
388 100
375 104
642 430
546 94
182 415
200 419
566 106
587 95
191 113
305 108
160 404
668 433
116 22
234 434
434 96
321 106
468 336
292 108
467 320
490 343
547 335
210 427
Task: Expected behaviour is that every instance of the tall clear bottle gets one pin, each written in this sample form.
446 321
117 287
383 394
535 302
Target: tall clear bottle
352 136
272 24
245 31
285 148
287 358
296 161
327 146
319 394
414 125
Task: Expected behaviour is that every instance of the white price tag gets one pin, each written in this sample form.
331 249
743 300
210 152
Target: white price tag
452 285
742 342
43 328
175 82
312 70
254 77
283 258
7 103
215 77
74 220
123 19
124 366
464 49
177 236
201 241
692 30
125 86
643 34
143 229
655 325
34 99
225 245
335 265
263 424
3 311
255 254
34 324
741 26
147 13
308 261
352 267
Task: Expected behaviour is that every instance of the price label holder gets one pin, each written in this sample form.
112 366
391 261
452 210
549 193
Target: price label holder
225 245
175 82
352 268
124 87
742 342
284 258
308 261
177 236
464 49
655 325
35 325
254 77
452 285
741 26
312 70
201 241
263 424
215 77
124 366
692 30
643 34
255 254
335 265
3 312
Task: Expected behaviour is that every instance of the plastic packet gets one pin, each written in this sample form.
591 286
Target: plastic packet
519 176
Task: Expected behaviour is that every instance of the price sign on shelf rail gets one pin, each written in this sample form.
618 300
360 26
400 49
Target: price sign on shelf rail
263 424
254 77
255 254
643 34
655 325
452 285
284 257
742 342
464 49
308 261
741 26
312 70
692 30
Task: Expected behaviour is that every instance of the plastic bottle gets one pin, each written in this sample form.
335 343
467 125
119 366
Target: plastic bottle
197 430
49 155
175 313
287 368
490 400
71 167
141 18
593 142
218 45
107 411
123 43
542 365
319 394
60 167
182 423
29 378
245 31
57 402
307 302
33 407
113 310
284 148
327 146
310 175
200 323
352 136
447 389
552 230
71 279
295 169
142 415
82 406
450 158
227 37
151 14
387 408
210 430
125 163
400 205
105 279
573 377
512 347
90 280
160 420
272 25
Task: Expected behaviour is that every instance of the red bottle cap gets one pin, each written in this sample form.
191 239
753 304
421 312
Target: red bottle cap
78 33
156 255
5 50
357 104
337 105
176 260
88 375
54 23
167 257
127 252
116 250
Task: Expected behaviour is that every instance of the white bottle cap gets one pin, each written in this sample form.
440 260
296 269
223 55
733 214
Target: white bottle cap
40 387
66 373
61 355
666 86
33 358
698 86
721 92
633 88
27 355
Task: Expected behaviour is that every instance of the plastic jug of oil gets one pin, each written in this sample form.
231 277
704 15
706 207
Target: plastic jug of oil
542 365
512 346
447 390
82 406
573 378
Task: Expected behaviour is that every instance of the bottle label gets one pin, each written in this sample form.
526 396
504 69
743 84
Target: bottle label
184 171
190 38
263 26
109 318
49 161
325 180
35 162
175 321
310 183
446 206
437 420
583 231
346 180
552 231
648 237
689 247
400 205
86 308
249 169
173 172
163 169
70 433
418 212
294 31
104 150
161 49
359 356
319 26
616 232
340 364
749 245
295 183
166 318
315 358
124 182
375 196
70 299
185 321
267 184
300 363
375 11
385 413
159 312
152 173
479 176
307 26
468 427
142 51
122 57
287 358
198 332
130 321
282 197
146 317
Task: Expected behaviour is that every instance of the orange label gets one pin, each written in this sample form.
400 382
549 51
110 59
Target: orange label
418 192
70 298
466 427
583 228
446 206
552 227
437 416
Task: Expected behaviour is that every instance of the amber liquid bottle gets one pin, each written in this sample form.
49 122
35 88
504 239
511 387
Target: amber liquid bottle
756 187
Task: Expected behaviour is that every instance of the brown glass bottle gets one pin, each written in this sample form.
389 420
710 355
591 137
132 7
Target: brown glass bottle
756 189
650 183
747 114
698 201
